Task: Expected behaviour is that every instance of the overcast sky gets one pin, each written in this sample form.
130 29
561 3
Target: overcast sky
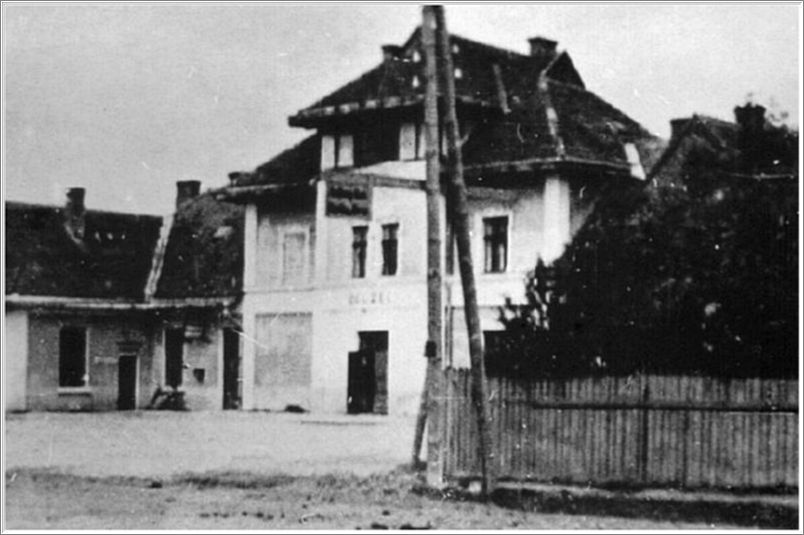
125 99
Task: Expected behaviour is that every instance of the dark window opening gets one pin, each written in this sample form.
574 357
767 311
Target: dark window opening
174 357
378 142
495 241
390 247
359 247
73 357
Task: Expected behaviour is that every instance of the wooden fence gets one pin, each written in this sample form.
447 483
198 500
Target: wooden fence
645 430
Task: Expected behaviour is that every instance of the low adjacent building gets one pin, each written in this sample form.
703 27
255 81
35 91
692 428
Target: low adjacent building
78 335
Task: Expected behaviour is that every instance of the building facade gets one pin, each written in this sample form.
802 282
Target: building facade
335 292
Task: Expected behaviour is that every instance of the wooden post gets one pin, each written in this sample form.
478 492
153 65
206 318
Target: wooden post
432 395
460 214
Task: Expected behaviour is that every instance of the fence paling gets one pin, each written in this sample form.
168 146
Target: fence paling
691 431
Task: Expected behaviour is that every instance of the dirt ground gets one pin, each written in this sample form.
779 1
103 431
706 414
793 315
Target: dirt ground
38 500
243 471
162 443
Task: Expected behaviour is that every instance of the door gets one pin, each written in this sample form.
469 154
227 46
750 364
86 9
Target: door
368 374
174 357
361 387
231 369
127 383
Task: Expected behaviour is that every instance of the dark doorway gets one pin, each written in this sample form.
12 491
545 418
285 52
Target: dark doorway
174 357
231 365
127 383
368 375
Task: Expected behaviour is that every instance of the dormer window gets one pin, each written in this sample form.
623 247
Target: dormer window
337 150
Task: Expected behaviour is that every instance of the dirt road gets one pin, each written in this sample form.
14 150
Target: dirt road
233 470
157 443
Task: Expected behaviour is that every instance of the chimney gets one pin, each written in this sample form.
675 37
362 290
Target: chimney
678 125
74 211
186 190
390 52
542 48
751 138
751 118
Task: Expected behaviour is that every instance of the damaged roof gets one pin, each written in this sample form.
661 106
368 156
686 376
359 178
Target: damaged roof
561 121
111 261
204 252
481 71
539 113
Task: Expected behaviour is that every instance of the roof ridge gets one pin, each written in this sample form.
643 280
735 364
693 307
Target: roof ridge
494 48
27 204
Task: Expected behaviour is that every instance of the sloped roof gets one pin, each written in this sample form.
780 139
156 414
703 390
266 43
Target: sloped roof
703 140
548 115
204 252
296 165
399 80
112 261
558 120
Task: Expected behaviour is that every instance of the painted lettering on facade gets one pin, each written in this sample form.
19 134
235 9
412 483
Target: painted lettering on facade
376 297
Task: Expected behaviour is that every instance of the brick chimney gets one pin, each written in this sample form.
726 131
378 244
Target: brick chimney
751 139
390 52
74 212
751 118
541 47
186 190
678 125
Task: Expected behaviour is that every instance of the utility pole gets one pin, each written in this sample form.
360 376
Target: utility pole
460 221
432 394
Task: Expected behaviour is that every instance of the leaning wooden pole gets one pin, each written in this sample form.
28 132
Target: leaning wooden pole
460 221
432 396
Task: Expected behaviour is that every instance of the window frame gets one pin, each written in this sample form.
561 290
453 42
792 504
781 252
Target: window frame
507 236
87 386
337 146
396 228
283 233
356 260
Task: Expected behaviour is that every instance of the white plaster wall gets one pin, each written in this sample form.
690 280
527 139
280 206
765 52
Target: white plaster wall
15 359
402 311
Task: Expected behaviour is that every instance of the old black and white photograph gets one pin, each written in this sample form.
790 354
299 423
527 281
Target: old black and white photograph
401 267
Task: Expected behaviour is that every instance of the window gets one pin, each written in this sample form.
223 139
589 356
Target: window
495 241
390 246
336 151
73 357
293 262
359 245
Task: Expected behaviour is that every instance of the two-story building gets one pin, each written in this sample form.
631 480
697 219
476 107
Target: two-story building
335 292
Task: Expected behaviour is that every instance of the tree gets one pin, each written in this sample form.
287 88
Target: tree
694 276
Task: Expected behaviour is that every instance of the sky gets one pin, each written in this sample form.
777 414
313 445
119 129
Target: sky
125 99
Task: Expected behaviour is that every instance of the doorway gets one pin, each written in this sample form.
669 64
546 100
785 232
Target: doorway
231 369
367 389
127 383
174 357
